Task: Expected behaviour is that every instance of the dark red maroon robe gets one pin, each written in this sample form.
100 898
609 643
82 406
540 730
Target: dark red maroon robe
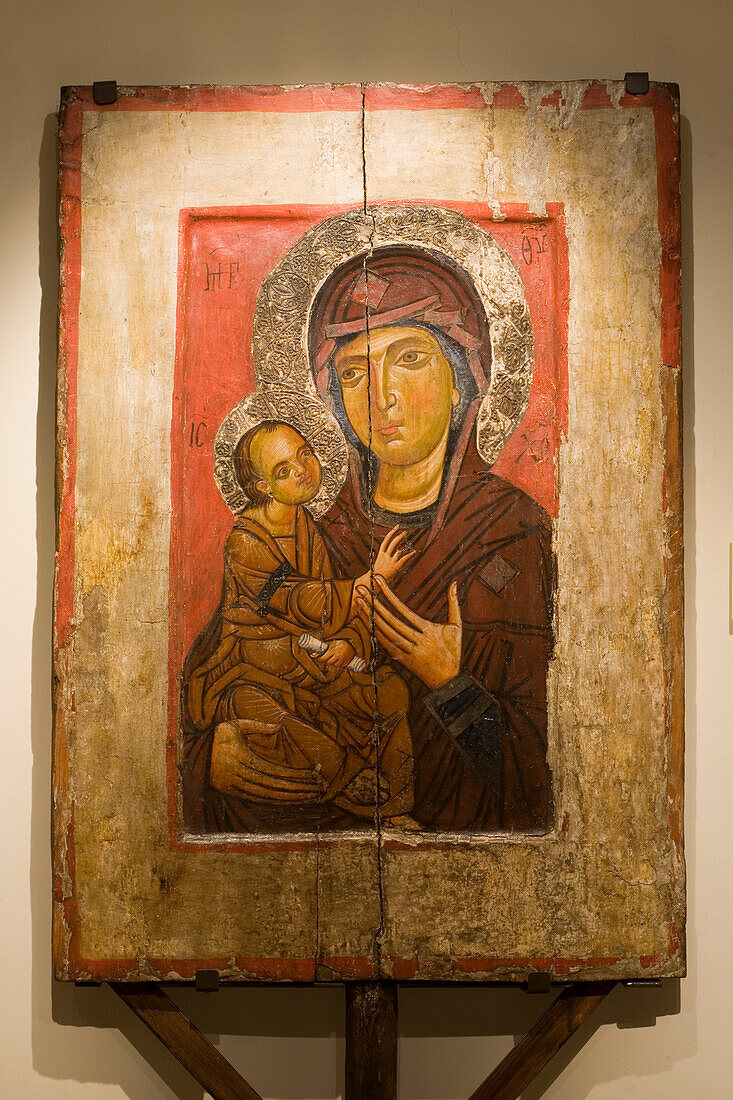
496 542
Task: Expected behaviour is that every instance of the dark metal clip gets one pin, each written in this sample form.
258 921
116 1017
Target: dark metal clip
538 982
104 92
637 83
207 981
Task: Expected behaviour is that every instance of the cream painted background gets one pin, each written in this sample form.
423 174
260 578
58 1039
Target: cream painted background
65 1042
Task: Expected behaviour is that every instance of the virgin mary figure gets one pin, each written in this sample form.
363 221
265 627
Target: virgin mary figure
400 346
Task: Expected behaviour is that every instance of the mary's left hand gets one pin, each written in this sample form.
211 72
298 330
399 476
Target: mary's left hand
431 650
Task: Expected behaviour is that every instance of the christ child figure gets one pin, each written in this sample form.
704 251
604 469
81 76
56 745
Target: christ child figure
287 670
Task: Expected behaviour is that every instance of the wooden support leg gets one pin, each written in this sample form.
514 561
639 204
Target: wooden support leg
192 1049
371 1041
554 1027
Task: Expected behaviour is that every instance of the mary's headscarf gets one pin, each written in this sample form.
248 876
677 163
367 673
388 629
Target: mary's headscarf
399 287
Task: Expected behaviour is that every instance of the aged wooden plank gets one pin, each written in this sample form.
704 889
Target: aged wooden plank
184 1040
561 1020
371 1041
140 557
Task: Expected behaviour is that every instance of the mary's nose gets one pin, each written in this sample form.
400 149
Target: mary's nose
381 394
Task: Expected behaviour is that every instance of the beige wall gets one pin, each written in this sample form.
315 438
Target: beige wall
65 1042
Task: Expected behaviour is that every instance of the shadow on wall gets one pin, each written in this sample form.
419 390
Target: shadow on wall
307 1025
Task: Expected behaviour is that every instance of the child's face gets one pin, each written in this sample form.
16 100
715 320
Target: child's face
290 471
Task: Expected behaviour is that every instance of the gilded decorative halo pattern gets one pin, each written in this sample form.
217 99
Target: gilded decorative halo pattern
285 386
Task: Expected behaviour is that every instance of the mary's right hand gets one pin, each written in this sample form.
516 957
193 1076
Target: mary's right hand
236 769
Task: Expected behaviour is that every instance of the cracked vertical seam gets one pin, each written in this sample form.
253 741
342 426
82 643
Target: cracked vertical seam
379 932
317 952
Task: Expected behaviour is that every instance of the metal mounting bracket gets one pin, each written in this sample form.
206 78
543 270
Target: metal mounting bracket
636 83
104 92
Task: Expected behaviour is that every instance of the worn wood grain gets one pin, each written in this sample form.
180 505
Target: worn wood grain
579 184
371 1041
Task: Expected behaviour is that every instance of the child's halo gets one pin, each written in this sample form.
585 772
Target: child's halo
302 411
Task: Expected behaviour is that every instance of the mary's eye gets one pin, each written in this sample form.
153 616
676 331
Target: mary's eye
351 373
283 473
410 358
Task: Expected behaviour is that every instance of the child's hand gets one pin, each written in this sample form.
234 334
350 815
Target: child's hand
392 554
390 558
338 654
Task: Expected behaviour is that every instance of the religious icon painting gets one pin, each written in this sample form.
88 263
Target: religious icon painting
369 575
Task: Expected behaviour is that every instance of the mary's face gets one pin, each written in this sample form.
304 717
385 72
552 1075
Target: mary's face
398 392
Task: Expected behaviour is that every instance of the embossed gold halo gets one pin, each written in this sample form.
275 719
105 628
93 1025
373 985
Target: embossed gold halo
285 385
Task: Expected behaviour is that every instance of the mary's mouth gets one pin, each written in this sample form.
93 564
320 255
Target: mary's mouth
389 431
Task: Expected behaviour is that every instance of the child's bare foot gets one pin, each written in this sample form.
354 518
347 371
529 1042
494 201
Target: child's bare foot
362 790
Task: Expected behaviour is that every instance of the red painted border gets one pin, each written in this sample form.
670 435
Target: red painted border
554 219
65 922
68 354
269 98
273 98
662 100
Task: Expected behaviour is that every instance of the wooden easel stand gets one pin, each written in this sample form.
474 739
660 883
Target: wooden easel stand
184 1040
555 1026
371 1041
